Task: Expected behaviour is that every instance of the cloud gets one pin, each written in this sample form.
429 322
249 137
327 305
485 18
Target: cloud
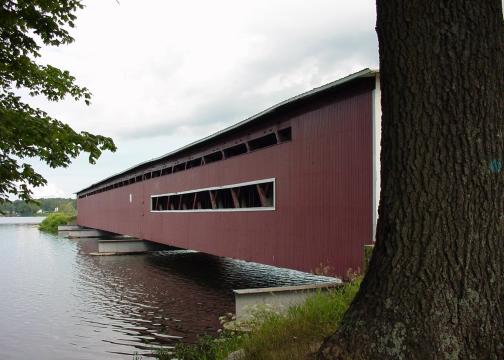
167 66
50 191
162 72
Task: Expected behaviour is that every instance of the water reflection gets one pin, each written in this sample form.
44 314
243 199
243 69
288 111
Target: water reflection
60 303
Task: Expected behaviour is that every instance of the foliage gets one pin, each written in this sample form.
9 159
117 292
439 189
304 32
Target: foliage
52 221
290 335
22 208
27 132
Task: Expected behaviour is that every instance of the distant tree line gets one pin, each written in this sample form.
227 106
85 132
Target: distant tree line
44 206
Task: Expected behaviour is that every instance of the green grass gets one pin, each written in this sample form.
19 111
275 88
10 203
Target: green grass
51 222
291 335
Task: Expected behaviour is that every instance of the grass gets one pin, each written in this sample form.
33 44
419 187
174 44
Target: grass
52 221
290 335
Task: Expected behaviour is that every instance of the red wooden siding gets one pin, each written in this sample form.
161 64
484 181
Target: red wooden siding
323 193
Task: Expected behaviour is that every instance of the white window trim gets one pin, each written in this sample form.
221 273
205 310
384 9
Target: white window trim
255 182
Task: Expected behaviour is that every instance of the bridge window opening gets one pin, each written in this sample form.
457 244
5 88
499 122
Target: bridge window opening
263 141
174 202
131 181
265 191
216 156
248 197
156 173
166 171
193 163
285 134
160 203
179 167
187 202
235 150
255 195
147 176
223 199
139 178
203 200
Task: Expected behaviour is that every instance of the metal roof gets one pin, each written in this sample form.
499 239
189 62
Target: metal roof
365 73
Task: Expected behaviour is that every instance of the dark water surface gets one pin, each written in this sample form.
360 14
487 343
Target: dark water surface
57 302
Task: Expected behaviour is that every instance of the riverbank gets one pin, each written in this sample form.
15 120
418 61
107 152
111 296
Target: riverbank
293 334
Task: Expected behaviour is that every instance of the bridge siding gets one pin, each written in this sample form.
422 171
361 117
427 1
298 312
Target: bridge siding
323 194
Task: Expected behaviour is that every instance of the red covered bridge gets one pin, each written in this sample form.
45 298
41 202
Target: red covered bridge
294 186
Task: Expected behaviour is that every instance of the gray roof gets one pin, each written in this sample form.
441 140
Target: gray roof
365 73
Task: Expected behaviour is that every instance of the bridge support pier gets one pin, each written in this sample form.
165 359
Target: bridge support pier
124 246
76 231
276 298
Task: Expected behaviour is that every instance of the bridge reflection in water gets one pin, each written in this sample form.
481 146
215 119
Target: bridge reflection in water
169 296
57 303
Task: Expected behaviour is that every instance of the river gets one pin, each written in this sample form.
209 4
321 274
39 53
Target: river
58 302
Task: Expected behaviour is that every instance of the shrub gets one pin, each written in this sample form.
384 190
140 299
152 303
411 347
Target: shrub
52 221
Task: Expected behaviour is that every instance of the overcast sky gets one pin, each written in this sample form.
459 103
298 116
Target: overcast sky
165 73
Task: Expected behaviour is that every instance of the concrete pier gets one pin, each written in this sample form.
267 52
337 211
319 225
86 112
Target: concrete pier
276 298
86 233
76 231
69 227
124 246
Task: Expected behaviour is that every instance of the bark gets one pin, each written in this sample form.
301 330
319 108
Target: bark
435 285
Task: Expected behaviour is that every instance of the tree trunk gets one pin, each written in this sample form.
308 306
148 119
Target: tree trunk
435 285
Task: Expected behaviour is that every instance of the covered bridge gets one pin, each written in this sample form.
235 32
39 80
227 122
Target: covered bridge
294 186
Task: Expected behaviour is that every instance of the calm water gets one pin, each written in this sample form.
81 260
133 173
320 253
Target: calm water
57 302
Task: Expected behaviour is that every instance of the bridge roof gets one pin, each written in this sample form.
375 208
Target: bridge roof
365 73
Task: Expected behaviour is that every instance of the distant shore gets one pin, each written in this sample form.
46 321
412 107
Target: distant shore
19 220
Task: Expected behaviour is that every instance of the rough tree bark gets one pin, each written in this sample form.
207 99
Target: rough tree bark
435 285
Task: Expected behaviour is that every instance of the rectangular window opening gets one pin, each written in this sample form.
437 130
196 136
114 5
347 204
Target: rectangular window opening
156 173
179 167
285 134
160 203
263 141
248 196
166 171
139 178
147 176
187 201
194 163
255 195
203 200
235 150
223 199
174 202
266 193
216 156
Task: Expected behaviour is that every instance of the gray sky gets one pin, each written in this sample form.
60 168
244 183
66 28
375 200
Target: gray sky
165 73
